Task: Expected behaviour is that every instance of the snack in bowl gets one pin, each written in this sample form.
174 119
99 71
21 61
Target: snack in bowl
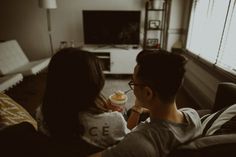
118 99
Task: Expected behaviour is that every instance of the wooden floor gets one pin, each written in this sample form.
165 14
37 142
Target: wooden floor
29 93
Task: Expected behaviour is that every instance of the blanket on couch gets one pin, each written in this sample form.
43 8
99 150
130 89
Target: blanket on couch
12 113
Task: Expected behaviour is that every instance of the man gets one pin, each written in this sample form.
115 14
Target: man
157 77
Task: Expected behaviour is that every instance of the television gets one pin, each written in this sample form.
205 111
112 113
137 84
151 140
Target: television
105 27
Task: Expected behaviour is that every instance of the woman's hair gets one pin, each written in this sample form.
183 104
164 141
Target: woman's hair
75 79
162 71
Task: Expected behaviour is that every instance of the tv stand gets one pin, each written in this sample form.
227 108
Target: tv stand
117 60
125 47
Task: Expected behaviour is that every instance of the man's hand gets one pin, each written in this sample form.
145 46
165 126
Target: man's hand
138 108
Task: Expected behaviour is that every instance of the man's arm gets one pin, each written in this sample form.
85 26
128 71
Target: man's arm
133 119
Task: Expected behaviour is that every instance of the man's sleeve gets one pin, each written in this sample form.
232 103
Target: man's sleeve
134 144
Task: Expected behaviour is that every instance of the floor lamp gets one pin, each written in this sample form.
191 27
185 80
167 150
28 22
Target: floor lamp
48 5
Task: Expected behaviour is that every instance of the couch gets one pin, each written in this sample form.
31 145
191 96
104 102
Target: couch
219 127
19 136
14 64
13 60
9 81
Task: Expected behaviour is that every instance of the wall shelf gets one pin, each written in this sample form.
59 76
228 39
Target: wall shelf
155 25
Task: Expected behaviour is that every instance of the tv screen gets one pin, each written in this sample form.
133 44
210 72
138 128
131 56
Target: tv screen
111 27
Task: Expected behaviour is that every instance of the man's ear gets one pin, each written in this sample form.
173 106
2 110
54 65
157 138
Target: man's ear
148 93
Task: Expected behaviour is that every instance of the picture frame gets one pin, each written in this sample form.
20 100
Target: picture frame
154 24
152 43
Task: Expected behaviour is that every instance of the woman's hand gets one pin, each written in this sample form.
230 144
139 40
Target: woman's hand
109 106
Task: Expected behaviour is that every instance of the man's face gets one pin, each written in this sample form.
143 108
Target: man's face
138 87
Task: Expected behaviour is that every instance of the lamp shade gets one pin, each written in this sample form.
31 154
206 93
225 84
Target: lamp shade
48 4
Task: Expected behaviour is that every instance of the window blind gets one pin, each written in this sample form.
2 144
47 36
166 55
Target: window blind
227 53
212 32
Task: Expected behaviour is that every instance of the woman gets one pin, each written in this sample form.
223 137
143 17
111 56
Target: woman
73 108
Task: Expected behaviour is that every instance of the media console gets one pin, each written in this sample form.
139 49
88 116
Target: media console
115 60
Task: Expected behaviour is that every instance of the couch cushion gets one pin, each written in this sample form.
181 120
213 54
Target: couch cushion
12 113
225 96
8 81
209 146
23 140
11 56
13 60
32 68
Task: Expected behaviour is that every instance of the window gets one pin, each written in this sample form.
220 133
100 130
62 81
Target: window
212 32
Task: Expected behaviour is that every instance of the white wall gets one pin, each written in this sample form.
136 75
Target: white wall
27 23
177 25
200 84
24 21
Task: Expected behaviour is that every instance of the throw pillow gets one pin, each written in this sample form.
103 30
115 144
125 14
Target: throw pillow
220 122
12 113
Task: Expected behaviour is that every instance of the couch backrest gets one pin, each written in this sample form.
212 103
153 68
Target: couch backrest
11 56
225 96
209 146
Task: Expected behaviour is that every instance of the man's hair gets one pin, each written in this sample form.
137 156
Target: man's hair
162 71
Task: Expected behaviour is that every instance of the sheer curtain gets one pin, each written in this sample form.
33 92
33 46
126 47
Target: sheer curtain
212 32
227 54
